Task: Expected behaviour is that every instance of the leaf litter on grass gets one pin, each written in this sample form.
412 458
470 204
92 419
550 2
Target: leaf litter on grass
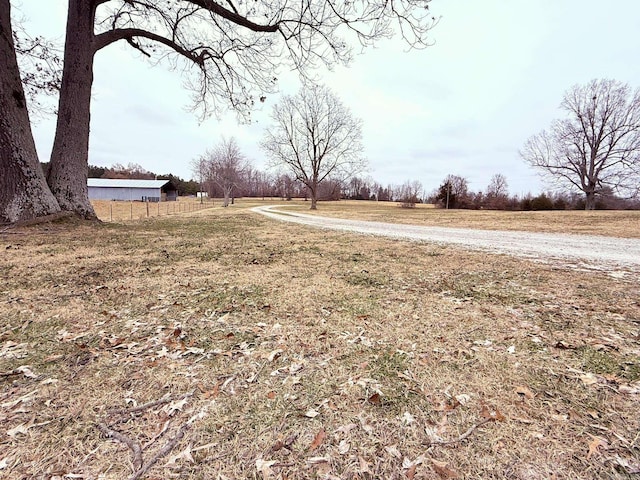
225 368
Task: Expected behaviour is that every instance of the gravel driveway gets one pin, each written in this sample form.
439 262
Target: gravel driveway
614 255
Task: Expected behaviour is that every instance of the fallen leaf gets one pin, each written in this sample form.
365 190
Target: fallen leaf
411 471
364 465
317 440
444 470
311 413
343 447
447 405
407 418
375 399
271 395
628 389
525 391
5 462
13 432
318 460
491 413
184 455
589 379
277 446
264 467
176 406
393 451
290 440
511 349
595 444
463 399
630 466
275 354
408 463
26 371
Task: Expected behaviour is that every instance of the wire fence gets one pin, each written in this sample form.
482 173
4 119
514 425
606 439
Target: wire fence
118 211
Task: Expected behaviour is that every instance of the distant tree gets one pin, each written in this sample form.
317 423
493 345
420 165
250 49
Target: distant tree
409 193
184 187
314 137
542 202
382 194
94 171
597 147
497 194
130 171
453 192
225 167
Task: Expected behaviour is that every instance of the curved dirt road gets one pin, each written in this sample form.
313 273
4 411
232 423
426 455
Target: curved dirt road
610 254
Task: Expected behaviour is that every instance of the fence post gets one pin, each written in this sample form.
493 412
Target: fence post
147 209
131 209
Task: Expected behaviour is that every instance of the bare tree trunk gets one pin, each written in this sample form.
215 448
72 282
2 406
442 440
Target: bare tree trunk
313 193
590 201
70 155
24 193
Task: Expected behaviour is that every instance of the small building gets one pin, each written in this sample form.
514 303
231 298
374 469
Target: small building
132 190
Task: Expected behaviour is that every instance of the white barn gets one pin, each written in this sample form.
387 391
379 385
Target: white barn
131 190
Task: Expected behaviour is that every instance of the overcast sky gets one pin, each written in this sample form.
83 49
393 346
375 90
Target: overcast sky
494 76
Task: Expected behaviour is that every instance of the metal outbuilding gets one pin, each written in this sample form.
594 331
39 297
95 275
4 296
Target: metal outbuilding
131 190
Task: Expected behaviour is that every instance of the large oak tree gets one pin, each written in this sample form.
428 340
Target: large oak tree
230 50
596 148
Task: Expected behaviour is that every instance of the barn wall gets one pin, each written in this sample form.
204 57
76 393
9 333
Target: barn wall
119 193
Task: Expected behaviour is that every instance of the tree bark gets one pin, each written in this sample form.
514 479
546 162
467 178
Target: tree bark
590 201
69 158
313 193
24 193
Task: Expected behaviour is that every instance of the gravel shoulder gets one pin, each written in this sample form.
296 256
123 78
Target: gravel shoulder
616 256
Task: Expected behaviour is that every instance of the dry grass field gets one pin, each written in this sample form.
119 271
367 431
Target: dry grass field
223 345
600 222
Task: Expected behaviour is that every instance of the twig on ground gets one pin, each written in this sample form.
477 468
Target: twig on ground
170 445
10 374
465 435
255 377
136 450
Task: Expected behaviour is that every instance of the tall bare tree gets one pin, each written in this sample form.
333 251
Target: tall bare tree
23 190
597 147
314 137
226 166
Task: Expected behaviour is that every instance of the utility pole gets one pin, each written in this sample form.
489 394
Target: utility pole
448 191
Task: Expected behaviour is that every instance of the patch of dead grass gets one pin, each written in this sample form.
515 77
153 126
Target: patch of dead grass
296 353
616 223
